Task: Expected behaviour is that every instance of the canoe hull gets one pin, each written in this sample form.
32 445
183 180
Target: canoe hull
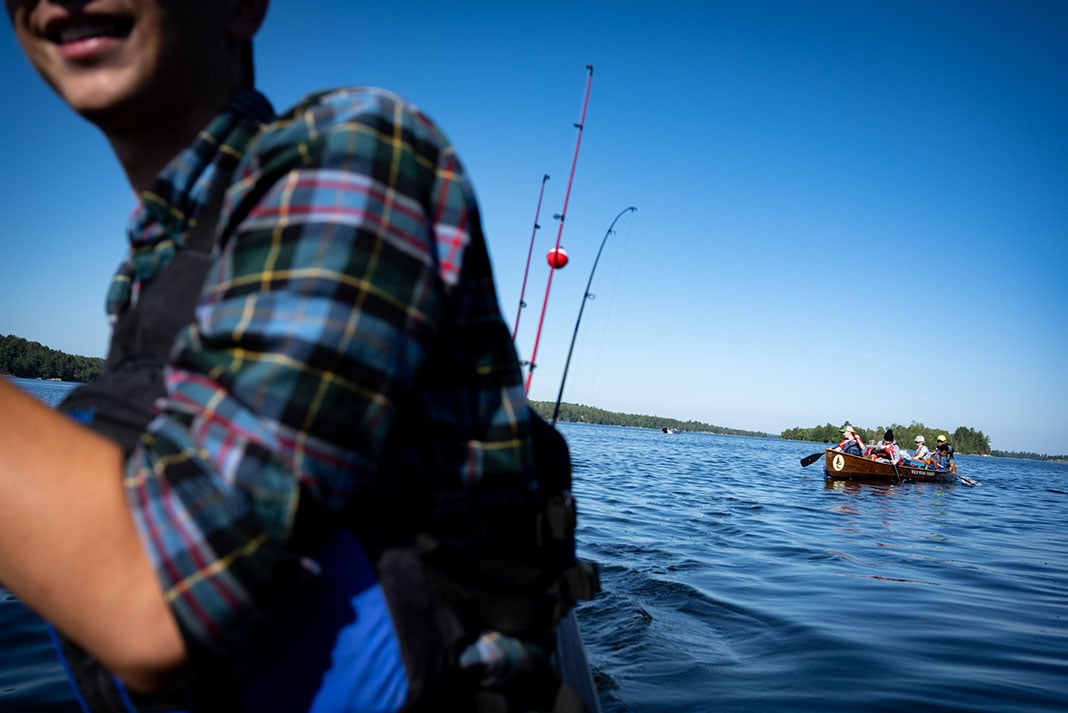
842 466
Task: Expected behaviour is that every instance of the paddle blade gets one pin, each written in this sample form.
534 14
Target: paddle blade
809 460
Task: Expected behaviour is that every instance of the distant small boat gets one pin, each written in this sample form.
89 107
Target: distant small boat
670 429
843 466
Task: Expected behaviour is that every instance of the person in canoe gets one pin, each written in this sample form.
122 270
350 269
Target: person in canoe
850 442
922 452
943 455
921 456
887 450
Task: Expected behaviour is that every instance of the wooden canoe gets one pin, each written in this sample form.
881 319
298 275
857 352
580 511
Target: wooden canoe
843 466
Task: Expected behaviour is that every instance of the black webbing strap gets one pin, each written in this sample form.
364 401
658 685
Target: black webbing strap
121 401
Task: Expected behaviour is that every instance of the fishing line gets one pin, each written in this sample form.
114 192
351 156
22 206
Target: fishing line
585 299
621 260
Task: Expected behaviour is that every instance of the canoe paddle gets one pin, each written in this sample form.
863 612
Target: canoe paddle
809 460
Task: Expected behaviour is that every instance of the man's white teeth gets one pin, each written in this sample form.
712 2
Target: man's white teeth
84 31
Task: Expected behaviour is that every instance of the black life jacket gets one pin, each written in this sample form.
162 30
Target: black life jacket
444 587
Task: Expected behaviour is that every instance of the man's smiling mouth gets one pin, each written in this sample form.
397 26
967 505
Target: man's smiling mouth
88 27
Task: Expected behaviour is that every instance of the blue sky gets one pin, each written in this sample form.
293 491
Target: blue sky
845 211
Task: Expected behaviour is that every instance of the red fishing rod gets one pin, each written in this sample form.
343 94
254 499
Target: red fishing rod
557 257
530 251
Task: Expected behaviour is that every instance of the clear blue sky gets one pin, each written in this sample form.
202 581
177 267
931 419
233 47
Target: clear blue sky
846 210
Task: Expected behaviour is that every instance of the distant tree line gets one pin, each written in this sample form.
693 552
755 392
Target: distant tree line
963 439
31 360
1029 456
575 413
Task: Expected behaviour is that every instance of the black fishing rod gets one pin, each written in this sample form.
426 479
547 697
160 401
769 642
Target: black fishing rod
586 296
530 251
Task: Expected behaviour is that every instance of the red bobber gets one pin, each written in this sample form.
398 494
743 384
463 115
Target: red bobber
557 258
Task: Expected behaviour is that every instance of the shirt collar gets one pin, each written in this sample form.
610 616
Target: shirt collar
185 184
156 228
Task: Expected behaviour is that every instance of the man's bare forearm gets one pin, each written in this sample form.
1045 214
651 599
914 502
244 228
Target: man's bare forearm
68 545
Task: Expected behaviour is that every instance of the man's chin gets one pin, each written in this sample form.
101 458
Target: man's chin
108 106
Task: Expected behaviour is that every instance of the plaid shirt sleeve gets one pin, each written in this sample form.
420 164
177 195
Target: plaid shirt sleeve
350 220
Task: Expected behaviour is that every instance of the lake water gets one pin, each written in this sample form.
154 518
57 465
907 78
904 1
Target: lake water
735 580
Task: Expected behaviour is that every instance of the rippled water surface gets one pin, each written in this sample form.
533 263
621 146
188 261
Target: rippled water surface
735 580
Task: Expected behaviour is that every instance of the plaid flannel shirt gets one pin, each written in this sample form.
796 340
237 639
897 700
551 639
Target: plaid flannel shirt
351 299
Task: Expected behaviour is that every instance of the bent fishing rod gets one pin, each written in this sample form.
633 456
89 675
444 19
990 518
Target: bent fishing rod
585 297
557 257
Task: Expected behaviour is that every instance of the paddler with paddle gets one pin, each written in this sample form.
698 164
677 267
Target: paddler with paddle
887 451
851 442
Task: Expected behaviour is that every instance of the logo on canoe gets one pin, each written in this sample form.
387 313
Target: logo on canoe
839 462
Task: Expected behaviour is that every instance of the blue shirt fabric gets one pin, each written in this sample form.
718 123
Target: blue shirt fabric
943 457
851 447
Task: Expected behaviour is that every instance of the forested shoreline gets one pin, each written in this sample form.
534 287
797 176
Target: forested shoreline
32 360
576 413
962 438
